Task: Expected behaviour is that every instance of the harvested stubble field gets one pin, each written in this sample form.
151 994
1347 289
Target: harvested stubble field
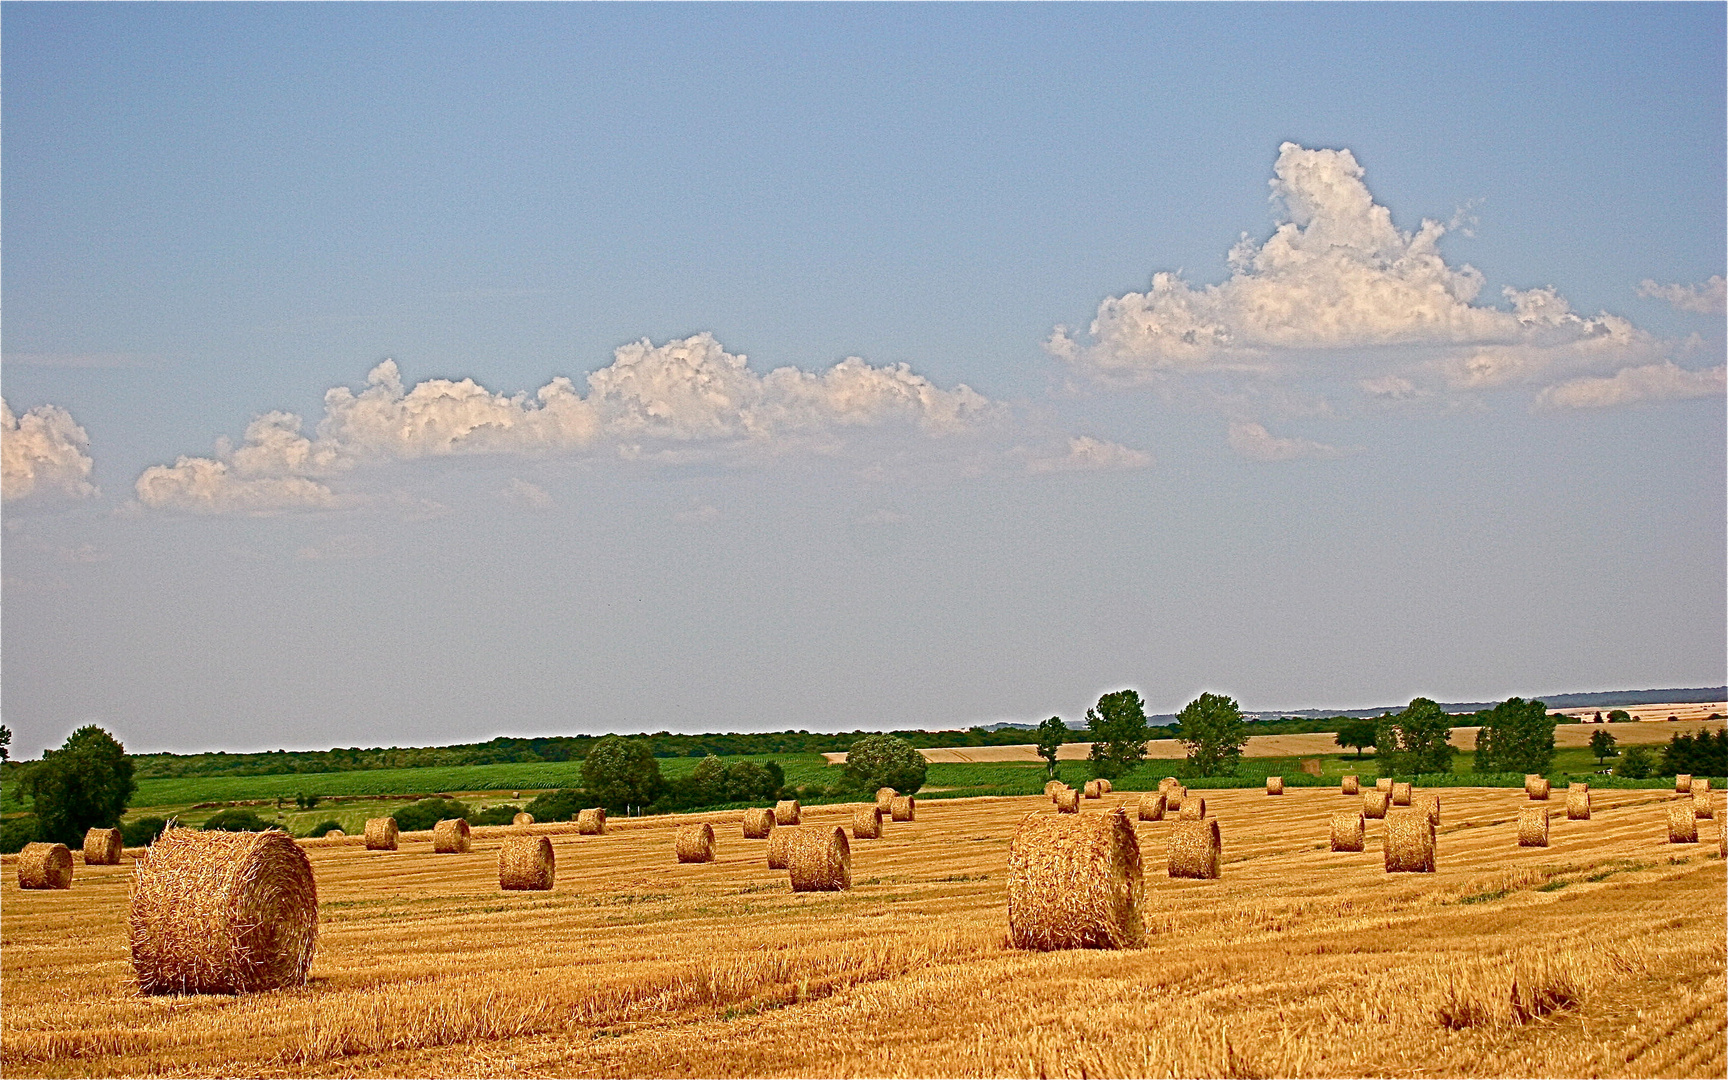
1600 955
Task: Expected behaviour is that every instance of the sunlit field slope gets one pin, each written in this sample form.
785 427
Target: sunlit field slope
1600 955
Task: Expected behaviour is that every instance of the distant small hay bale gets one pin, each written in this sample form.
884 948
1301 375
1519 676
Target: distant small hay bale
1104 786
1537 788
1347 829
779 844
1274 785
1409 843
695 843
885 797
222 913
1075 883
1167 783
1683 784
102 847
45 866
867 823
451 837
1194 848
527 863
515 794
1094 789
758 823
335 834
1193 809
1578 804
1384 784
1428 802
591 822
1682 824
1700 786
1152 806
1400 794
522 819
1351 786
1067 801
1374 803
786 812
381 834
1050 790
1701 808
905 808
1533 826
819 859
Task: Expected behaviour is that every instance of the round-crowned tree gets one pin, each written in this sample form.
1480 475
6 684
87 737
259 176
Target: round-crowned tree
621 772
879 761
85 784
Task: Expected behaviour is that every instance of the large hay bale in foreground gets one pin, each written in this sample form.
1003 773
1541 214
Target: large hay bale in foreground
885 797
867 823
1683 784
1384 784
905 808
45 866
591 822
1067 801
1193 809
102 847
1152 806
1682 824
522 819
1533 826
451 837
1352 785
381 834
1094 789
222 913
527 863
1347 830
1409 843
786 812
1075 882
1429 803
1401 794
695 843
1578 804
1701 808
1194 848
779 842
1374 803
1274 785
819 859
758 823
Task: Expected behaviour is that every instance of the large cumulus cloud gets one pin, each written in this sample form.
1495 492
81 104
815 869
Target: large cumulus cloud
44 452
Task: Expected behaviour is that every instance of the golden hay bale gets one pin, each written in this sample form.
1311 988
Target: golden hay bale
381 834
222 913
1104 786
1167 783
758 823
1347 828
1351 786
1578 804
1374 803
1193 849
102 847
526 863
905 808
1429 803
1530 782
1537 788
335 834
779 842
819 859
1683 784
786 812
451 837
1401 794
1682 824
45 866
1152 806
1075 882
522 819
695 843
1533 826
867 823
1274 785
1067 801
1700 786
1173 799
591 822
1384 784
885 797
1578 785
1050 790
1409 843
1193 809
1094 789
1701 808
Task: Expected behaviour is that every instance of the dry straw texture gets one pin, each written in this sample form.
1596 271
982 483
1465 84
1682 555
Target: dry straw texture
885 797
1194 848
1533 826
1050 790
522 819
45 866
1409 843
1352 786
1374 803
1536 787
222 913
591 822
1700 786
102 847
1169 782
1152 806
1701 808
526 863
905 808
335 834
1578 805
695 843
758 823
381 834
1578 785
1384 784
1173 799
1075 883
779 842
1683 784
1274 785
1067 801
820 860
1429 802
1682 825
451 837
1347 829
1105 785
867 823
1193 808
1401 794
1094 789
786 812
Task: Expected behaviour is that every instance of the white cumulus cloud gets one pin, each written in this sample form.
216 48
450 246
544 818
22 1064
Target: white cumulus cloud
1706 298
43 452
1255 443
1088 454
1653 382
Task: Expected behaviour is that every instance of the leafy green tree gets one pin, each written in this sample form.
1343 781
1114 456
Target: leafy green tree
1414 741
560 805
879 761
1049 737
1211 728
708 780
1357 732
5 743
620 772
1603 746
1619 716
85 784
502 814
308 802
142 832
235 820
1636 764
746 781
427 813
1117 725
15 832
1705 754
1516 736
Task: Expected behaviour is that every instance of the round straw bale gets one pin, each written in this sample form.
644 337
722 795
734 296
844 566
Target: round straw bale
1700 786
1167 783
819 859
1374 803
1400 794
867 823
1193 808
591 822
1683 784
1067 801
1347 830
1351 786
45 866
1409 843
779 843
1193 848
1094 789
381 834
1104 785
695 843
758 822
905 808
515 794
1578 785
1682 824
222 913
102 847
451 837
1578 805
1533 826
1384 784
1701 808
1530 782
1173 799
1050 790
522 819
1274 785
526 863
1429 802
1152 806
334 834
786 812
1537 788
1075 882
885 797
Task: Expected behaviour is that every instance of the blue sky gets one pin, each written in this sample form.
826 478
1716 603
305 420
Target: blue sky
1346 469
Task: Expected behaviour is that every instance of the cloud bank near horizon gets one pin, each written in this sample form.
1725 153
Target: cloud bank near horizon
43 452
